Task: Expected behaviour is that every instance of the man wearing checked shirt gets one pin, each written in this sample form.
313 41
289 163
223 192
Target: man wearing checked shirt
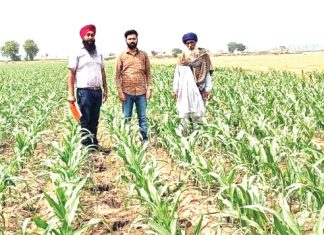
134 81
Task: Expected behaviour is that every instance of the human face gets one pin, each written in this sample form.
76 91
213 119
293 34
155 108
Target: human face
131 41
191 44
89 37
89 42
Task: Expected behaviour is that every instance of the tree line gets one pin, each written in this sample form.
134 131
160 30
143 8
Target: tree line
231 46
11 50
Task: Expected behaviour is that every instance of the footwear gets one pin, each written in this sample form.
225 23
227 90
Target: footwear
145 142
103 150
98 148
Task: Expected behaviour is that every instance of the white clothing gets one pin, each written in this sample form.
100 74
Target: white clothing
88 69
189 101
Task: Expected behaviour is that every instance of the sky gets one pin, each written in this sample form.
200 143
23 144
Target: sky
258 24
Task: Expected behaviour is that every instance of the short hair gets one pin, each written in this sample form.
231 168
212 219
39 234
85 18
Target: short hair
129 32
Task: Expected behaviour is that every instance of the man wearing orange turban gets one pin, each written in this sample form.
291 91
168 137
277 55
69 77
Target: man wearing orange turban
87 75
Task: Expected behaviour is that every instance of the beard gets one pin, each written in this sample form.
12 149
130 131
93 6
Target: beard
90 46
132 45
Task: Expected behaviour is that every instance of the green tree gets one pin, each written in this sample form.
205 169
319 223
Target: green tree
11 50
31 49
176 51
232 46
240 47
154 53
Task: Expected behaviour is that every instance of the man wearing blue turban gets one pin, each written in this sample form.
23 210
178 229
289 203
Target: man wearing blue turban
189 37
192 83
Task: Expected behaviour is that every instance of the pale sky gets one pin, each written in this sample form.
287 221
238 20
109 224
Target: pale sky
258 24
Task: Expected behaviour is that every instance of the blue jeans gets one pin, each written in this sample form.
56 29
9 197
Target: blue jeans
140 104
89 102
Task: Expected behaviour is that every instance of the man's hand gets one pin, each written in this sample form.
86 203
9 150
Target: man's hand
122 96
206 95
175 95
71 98
148 94
105 95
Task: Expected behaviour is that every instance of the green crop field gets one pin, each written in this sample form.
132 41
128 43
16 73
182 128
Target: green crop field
255 166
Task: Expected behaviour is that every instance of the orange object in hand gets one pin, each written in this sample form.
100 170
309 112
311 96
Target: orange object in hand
75 111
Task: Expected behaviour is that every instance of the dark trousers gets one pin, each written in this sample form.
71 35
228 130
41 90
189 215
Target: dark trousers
89 102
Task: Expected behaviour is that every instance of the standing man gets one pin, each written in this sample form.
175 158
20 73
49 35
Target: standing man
87 74
192 83
134 81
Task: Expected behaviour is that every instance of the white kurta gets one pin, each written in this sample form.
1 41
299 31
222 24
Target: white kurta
189 102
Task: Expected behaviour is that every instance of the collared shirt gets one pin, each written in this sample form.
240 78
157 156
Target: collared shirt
133 73
88 69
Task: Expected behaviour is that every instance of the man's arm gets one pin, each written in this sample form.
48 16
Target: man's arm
118 69
208 87
175 87
148 77
104 84
71 80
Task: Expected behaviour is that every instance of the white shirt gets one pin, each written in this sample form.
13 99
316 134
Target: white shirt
88 69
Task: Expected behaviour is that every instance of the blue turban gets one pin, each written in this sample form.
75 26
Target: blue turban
189 36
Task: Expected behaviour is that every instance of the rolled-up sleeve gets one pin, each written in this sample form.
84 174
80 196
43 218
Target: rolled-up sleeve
118 78
176 80
72 64
148 72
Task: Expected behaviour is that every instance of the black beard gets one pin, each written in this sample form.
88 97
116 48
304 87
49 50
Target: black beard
90 46
132 45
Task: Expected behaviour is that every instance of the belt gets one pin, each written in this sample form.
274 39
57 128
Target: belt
96 88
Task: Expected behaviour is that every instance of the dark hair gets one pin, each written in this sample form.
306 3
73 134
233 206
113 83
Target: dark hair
129 32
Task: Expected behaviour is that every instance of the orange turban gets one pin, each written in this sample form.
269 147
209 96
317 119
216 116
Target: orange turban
87 28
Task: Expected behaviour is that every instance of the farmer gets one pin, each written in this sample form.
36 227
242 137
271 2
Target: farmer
87 73
192 83
134 81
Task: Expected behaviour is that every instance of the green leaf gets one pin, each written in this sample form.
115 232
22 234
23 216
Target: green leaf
158 228
125 178
39 222
84 227
198 227
58 210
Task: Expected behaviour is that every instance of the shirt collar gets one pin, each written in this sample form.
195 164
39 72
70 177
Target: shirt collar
130 52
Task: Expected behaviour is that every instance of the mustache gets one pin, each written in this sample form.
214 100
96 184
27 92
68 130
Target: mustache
89 41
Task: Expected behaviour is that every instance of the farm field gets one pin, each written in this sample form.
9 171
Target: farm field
255 166
306 62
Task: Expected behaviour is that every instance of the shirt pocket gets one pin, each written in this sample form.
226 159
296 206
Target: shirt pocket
139 63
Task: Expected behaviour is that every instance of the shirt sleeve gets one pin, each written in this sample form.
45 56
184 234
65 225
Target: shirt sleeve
148 72
73 60
176 78
209 85
102 61
118 69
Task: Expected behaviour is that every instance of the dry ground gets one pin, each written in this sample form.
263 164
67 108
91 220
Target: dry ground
106 196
